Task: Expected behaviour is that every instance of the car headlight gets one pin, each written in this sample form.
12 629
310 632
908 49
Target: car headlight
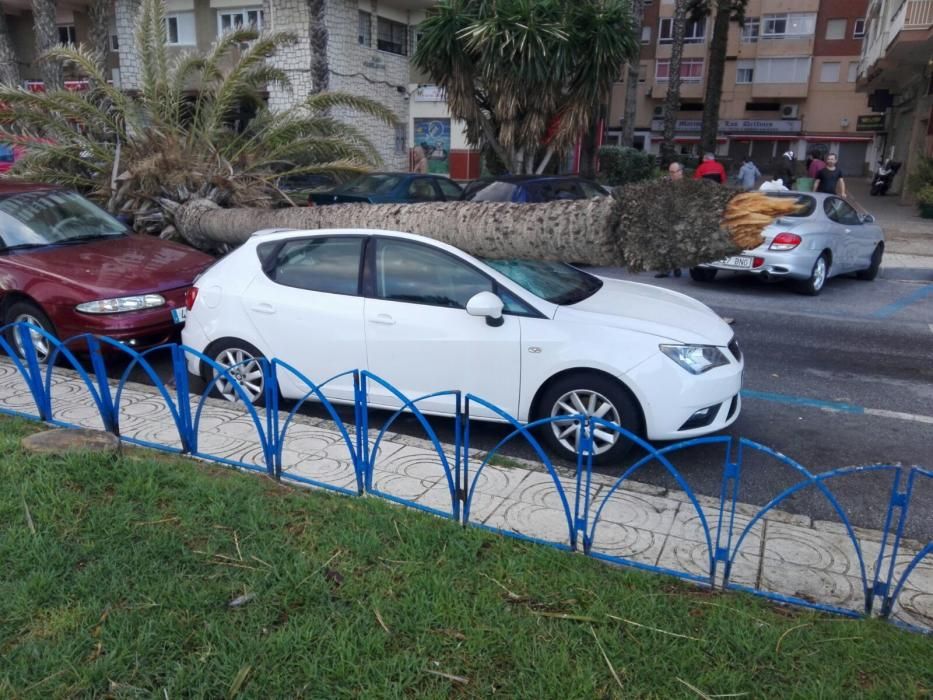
696 359
122 304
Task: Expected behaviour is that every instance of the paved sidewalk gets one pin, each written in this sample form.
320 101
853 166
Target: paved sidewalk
784 553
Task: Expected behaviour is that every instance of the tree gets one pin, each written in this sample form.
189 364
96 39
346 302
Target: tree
526 77
631 81
100 13
9 64
144 154
726 12
317 35
46 30
649 225
672 99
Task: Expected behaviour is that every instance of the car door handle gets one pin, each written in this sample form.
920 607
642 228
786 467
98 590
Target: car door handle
382 320
263 308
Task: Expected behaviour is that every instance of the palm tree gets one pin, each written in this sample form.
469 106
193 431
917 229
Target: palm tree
726 12
526 77
46 30
142 155
9 64
631 81
100 12
672 99
317 34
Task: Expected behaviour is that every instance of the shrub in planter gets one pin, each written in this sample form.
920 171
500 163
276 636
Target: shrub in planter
620 166
925 201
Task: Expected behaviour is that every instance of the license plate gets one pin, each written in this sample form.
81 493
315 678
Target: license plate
179 315
737 261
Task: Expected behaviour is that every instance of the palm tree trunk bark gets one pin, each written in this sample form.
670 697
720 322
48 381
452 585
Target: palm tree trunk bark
9 64
100 12
653 225
317 34
631 82
46 31
714 77
672 100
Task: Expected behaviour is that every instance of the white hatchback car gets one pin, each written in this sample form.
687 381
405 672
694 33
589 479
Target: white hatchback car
536 339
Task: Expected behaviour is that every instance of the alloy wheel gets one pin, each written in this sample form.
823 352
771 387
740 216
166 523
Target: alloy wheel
588 403
40 343
819 273
245 370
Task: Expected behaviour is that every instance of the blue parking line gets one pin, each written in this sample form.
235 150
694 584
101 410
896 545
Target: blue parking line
802 401
903 302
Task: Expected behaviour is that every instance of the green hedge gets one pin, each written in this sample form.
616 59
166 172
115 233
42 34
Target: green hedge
620 166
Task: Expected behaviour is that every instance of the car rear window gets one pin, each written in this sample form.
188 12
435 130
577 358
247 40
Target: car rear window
373 184
806 204
493 192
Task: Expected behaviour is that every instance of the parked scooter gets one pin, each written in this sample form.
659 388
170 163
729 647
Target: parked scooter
883 177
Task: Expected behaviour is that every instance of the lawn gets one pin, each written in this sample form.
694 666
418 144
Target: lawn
159 577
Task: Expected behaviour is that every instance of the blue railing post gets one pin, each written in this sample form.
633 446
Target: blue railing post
43 397
186 432
729 493
364 474
459 493
107 413
273 447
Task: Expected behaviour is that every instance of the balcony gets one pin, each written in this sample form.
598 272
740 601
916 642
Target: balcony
901 40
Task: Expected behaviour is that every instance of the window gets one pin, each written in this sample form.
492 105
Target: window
179 29
646 34
114 42
750 29
788 25
744 72
829 72
853 72
391 36
401 138
330 265
230 20
782 70
691 70
415 273
694 32
365 31
422 189
591 190
66 35
858 28
642 72
450 189
836 29
840 212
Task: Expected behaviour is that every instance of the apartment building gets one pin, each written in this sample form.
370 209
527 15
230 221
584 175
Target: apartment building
790 81
896 73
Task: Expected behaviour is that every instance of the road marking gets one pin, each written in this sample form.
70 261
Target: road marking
903 302
835 406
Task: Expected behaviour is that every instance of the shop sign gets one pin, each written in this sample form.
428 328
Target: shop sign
743 126
431 151
430 93
870 122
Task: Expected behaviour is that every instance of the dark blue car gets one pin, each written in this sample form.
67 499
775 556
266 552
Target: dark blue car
390 187
523 189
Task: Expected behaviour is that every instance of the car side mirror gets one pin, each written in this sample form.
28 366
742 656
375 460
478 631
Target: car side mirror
486 304
868 219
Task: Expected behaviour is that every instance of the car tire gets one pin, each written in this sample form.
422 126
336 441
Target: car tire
27 312
597 394
813 285
233 352
703 274
871 272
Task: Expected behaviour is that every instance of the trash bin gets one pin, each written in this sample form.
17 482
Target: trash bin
804 184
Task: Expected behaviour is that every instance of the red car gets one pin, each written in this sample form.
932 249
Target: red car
70 268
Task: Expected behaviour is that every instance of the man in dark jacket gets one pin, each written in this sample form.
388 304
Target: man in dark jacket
787 170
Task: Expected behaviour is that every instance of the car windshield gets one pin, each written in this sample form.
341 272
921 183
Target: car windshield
373 184
556 282
493 192
806 204
39 218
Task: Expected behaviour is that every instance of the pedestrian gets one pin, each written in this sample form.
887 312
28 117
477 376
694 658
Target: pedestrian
709 169
786 170
748 174
815 164
829 180
420 158
675 172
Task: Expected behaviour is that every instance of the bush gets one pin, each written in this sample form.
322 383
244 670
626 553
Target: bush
620 165
922 176
925 196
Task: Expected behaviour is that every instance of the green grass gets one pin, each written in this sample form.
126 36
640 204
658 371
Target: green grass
117 577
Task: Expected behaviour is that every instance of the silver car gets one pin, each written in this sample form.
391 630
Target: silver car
825 238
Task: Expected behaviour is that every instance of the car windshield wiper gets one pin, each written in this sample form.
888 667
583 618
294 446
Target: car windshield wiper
24 246
88 237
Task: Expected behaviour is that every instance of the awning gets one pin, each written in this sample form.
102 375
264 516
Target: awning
866 138
765 137
687 139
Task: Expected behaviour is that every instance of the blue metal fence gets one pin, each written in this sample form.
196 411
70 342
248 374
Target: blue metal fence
577 499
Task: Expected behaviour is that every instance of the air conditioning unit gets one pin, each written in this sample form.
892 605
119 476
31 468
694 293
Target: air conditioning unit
789 111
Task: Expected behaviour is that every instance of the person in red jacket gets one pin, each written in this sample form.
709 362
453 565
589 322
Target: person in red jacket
709 169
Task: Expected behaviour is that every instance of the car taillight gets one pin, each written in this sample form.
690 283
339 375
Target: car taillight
190 296
785 241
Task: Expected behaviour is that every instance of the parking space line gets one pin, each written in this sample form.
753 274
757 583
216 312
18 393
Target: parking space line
835 406
903 302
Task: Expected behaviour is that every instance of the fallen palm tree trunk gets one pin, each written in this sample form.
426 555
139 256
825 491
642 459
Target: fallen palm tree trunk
653 225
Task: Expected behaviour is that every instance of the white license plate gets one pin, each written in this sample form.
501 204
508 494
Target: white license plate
179 315
736 261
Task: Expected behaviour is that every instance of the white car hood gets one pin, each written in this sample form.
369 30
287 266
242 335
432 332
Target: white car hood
647 309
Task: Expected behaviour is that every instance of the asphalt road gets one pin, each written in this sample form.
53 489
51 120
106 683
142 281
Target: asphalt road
840 380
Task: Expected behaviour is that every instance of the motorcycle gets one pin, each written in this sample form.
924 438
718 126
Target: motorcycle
883 177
